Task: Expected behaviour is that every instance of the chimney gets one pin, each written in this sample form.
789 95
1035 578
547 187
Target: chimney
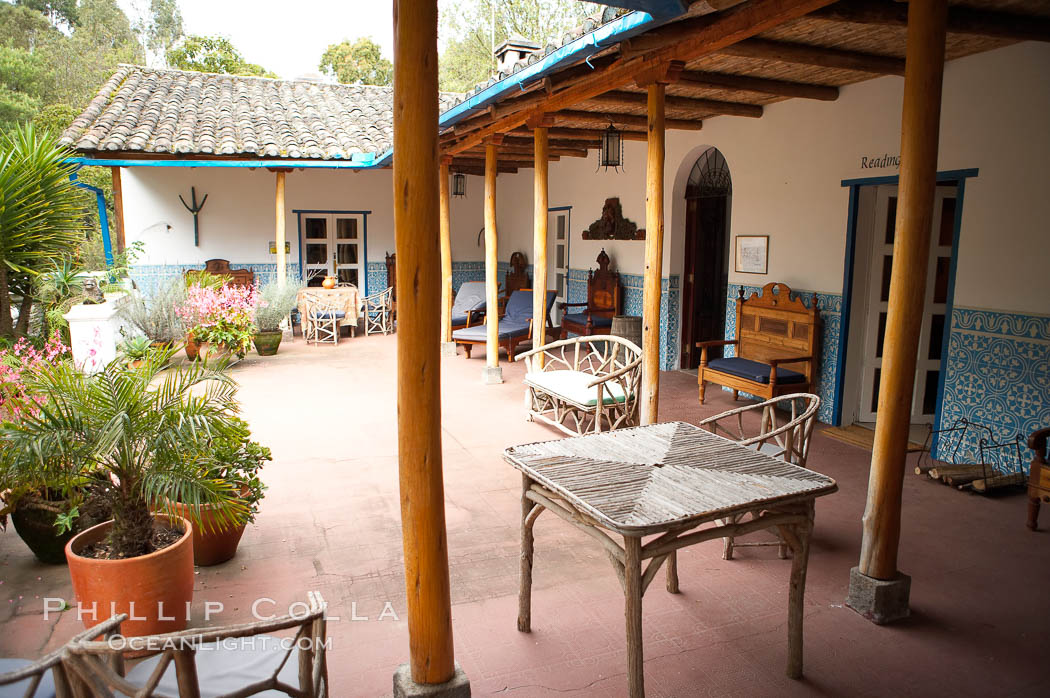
513 50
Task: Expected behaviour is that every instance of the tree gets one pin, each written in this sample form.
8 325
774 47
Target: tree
213 54
20 76
360 62
470 30
40 216
64 12
159 28
21 27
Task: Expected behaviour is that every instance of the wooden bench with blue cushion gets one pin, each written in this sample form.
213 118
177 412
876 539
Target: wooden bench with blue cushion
515 326
773 331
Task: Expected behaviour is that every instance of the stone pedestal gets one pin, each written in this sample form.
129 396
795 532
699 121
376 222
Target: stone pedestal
456 687
881 601
492 375
448 349
94 332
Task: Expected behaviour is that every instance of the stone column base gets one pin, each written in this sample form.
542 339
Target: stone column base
492 375
880 601
456 687
448 349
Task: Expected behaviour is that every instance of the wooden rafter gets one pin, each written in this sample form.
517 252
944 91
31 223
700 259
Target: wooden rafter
715 32
603 119
961 20
816 56
636 100
744 83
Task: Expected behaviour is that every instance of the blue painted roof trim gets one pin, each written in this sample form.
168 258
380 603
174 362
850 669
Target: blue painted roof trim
664 9
601 38
366 162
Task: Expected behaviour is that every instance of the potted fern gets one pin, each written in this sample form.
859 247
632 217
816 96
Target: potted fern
273 304
124 424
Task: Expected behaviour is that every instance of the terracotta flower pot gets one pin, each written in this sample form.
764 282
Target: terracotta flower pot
155 590
267 341
192 348
214 540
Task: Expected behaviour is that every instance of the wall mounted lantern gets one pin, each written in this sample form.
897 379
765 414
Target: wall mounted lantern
459 184
611 153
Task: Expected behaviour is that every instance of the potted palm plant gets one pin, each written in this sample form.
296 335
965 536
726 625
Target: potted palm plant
273 303
125 423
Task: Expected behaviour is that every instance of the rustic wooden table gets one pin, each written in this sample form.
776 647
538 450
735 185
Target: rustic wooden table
676 485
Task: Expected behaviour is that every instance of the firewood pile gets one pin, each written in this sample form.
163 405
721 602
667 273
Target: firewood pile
998 464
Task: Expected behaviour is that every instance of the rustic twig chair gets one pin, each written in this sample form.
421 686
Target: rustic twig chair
584 384
218 671
379 312
785 440
322 320
32 679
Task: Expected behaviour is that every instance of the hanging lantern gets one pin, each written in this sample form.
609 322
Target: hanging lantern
459 184
611 154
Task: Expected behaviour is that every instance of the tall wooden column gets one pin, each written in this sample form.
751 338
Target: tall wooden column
492 372
539 239
279 234
919 133
416 212
118 207
654 249
446 252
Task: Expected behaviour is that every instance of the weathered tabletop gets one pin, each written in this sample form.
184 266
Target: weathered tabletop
652 478
347 298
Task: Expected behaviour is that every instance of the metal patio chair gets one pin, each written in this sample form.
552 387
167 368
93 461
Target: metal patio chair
379 312
784 440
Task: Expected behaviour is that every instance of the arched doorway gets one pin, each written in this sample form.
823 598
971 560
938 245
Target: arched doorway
708 196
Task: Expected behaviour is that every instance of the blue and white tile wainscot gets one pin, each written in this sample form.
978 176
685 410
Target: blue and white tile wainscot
148 277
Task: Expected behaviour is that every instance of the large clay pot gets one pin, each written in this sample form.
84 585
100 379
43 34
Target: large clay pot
192 348
214 540
266 342
158 587
329 282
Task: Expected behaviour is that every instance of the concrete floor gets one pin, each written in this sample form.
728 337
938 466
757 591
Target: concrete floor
330 522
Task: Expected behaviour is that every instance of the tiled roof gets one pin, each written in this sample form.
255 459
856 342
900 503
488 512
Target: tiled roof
182 112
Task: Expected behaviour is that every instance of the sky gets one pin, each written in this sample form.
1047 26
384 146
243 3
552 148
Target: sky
287 38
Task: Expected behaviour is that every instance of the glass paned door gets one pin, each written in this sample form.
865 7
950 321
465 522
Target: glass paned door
558 259
334 246
934 307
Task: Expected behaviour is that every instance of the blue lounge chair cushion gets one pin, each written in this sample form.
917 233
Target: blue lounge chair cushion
471 296
327 315
223 668
754 370
581 319
462 319
479 333
46 689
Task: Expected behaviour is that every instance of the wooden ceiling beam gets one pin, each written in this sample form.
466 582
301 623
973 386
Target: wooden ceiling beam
708 106
746 83
717 31
584 137
961 20
816 56
603 119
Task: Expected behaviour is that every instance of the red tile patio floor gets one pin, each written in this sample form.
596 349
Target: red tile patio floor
330 522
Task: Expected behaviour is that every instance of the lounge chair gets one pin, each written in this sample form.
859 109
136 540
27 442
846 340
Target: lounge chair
469 306
515 326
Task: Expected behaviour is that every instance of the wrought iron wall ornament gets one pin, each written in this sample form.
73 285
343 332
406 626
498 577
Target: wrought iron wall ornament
612 225
709 177
195 209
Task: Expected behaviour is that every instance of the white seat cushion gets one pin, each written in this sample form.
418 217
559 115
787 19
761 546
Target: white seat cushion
572 385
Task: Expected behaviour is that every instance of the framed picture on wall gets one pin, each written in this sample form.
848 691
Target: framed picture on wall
752 254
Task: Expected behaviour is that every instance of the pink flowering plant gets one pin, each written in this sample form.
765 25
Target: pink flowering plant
222 315
21 359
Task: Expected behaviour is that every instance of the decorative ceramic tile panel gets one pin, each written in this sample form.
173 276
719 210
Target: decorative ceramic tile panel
148 277
830 307
998 375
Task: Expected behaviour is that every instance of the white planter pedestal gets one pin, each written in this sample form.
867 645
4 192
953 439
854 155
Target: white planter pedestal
94 332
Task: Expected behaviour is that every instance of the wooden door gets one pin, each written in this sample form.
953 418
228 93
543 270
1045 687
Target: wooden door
347 254
558 259
934 304
316 248
706 279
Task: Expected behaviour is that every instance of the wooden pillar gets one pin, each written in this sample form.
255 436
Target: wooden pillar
118 207
279 235
654 248
446 252
416 212
539 240
911 246
491 268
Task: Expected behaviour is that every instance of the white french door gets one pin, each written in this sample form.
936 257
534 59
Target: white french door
934 304
333 246
558 258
